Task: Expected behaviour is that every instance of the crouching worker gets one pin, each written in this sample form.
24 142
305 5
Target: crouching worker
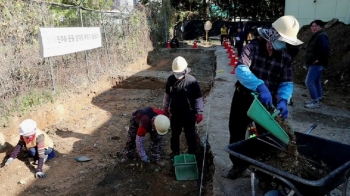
38 144
143 121
175 42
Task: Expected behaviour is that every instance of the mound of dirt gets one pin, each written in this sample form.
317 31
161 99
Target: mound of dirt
336 77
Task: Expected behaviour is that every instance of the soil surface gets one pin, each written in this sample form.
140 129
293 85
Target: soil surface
92 124
336 76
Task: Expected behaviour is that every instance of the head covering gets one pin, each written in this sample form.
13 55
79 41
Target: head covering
27 127
288 28
272 36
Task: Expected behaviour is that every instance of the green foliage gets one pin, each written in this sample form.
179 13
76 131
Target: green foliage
71 17
25 103
161 18
248 9
35 98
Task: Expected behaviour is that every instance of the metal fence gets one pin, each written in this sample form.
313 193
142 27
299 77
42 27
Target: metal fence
26 79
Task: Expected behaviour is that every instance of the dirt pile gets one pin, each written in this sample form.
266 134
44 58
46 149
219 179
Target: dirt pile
336 77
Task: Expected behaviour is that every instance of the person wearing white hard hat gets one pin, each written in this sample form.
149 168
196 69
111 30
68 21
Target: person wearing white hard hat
146 120
183 101
38 144
265 67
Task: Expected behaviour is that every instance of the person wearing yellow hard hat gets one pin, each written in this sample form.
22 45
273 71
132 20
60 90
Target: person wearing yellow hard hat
38 144
183 101
265 67
146 120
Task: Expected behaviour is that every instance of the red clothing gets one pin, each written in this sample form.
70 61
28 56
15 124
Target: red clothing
144 118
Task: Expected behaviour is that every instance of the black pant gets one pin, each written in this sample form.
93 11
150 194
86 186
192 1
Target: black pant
186 121
238 121
222 38
239 47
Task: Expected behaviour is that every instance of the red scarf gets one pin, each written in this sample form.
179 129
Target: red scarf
30 138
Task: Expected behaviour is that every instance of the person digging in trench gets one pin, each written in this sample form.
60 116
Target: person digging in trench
183 101
38 144
265 67
146 120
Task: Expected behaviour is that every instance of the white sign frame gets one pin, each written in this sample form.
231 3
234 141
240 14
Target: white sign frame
66 40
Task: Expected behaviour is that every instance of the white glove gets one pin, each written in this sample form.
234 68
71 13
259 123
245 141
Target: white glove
9 161
237 38
40 175
145 159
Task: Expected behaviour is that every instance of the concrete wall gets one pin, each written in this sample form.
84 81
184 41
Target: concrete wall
308 10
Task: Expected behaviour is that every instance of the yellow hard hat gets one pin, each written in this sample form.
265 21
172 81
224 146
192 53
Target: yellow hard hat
162 124
288 28
179 64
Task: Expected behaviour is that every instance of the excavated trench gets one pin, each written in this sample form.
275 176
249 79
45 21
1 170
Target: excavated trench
203 66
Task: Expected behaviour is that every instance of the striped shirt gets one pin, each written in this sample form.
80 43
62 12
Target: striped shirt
273 70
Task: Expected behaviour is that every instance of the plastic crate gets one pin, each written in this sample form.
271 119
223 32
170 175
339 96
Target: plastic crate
260 115
186 167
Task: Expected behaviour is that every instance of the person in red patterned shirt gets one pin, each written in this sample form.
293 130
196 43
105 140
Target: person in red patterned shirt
38 144
146 120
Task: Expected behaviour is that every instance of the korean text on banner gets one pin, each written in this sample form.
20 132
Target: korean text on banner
60 41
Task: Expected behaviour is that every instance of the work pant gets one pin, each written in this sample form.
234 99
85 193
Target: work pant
313 81
238 120
130 146
185 121
33 152
222 39
239 47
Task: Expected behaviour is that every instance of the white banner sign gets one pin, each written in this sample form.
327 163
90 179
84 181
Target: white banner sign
60 41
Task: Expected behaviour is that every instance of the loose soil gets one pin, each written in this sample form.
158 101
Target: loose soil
93 124
336 76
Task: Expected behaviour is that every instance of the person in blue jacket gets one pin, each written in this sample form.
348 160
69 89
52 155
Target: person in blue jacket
265 67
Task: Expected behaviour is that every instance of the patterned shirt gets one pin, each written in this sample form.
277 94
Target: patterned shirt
273 70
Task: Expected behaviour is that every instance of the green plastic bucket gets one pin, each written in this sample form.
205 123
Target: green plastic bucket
260 115
186 167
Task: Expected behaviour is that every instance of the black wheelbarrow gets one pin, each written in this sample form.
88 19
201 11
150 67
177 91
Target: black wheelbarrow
334 154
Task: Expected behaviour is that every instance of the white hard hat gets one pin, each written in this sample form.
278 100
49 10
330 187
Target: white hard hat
288 28
179 64
27 127
162 124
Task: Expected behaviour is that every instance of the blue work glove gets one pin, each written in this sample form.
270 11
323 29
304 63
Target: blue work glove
282 106
265 96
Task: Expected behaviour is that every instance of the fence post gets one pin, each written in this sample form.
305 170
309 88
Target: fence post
85 53
52 76
104 32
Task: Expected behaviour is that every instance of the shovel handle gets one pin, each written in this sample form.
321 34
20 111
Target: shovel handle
311 128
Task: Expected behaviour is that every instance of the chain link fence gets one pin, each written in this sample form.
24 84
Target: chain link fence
27 80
